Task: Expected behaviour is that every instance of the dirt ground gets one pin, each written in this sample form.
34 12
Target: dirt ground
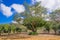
30 37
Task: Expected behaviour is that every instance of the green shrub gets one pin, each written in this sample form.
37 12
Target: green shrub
18 29
33 33
13 28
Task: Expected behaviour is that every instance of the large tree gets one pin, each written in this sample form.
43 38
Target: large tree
33 22
32 16
55 18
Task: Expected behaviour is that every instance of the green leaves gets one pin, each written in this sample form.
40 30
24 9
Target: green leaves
55 15
33 22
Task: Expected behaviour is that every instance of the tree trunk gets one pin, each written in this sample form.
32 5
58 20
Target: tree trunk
55 32
48 32
33 27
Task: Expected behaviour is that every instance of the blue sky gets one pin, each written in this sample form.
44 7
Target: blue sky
9 7
8 3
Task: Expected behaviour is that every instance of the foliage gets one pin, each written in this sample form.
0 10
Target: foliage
33 22
38 9
8 28
18 29
55 27
33 33
47 26
34 10
55 15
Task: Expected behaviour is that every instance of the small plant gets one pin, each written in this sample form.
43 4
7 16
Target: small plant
33 33
13 27
18 29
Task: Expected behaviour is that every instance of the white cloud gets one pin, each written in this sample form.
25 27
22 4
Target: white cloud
50 4
6 10
57 4
14 22
18 8
38 0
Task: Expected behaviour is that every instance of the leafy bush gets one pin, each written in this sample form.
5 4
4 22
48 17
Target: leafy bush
6 28
18 29
13 27
33 33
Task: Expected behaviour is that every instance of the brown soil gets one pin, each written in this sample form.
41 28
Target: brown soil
30 37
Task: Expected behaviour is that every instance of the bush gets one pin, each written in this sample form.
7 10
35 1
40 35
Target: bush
18 29
33 33
13 27
6 28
